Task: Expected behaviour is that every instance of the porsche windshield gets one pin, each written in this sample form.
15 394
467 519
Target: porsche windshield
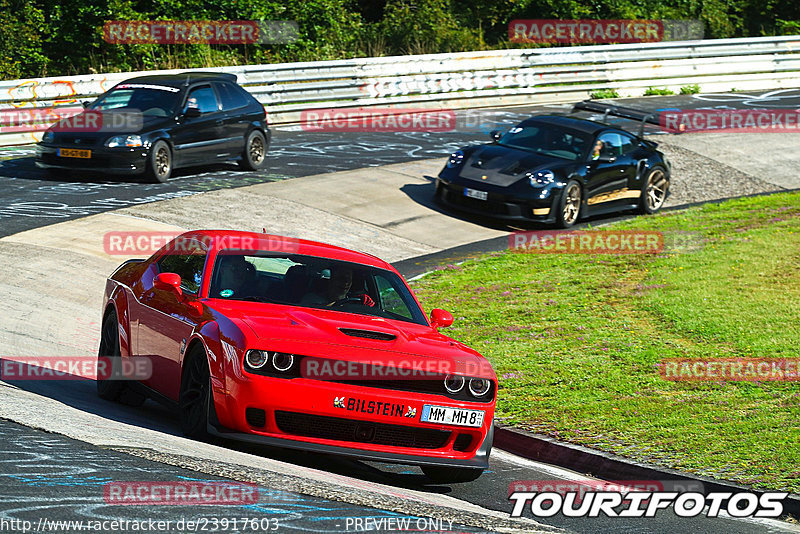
314 282
150 100
547 140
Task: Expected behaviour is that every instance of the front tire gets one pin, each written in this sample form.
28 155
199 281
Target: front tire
159 162
569 207
451 475
255 152
195 396
654 191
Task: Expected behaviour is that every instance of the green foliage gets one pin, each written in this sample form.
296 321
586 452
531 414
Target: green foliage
604 93
652 91
62 37
691 89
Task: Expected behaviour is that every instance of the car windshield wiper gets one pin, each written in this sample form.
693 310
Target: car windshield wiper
257 299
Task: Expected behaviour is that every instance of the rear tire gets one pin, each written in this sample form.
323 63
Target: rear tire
195 395
569 206
159 162
110 389
254 155
451 475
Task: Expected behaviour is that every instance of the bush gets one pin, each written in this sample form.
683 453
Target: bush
604 93
652 91
692 89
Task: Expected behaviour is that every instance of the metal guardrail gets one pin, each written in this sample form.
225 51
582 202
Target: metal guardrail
467 79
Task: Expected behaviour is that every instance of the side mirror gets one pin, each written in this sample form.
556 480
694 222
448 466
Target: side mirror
168 282
85 103
496 135
191 113
441 318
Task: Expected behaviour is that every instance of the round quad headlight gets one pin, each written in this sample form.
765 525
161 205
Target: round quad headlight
540 178
479 386
454 383
282 361
455 159
256 359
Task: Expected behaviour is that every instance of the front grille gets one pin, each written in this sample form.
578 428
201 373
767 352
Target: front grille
487 206
368 334
462 442
94 161
334 428
256 417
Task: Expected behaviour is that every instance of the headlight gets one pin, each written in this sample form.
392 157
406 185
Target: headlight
454 383
282 361
540 178
48 137
256 359
455 159
479 386
130 141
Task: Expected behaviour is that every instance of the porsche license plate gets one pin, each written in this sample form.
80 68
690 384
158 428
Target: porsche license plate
74 153
452 416
474 193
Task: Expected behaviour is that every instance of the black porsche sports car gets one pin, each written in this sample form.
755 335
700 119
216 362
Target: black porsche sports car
154 124
556 169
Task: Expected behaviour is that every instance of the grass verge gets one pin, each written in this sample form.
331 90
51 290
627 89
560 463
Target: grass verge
577 339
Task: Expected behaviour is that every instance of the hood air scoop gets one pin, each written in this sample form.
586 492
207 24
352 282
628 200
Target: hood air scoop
368 334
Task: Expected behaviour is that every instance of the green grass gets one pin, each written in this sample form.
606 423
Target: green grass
604 93
576 339
691 89
652 91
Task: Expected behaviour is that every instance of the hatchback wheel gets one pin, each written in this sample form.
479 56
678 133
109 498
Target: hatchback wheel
159 163
255 152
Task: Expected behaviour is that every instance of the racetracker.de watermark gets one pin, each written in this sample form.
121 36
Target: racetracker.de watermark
587 242
75 368
599 31
225 32
582 486
120 243
739 120
731 369
180 493
69 120
335 370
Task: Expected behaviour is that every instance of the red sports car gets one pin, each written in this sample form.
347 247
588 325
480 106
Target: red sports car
298 344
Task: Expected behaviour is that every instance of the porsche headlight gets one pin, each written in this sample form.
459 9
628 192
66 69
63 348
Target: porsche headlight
540 178
130 141
455 159
48 137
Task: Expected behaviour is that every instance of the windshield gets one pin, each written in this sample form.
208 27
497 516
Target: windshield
150 100
313 282
548 140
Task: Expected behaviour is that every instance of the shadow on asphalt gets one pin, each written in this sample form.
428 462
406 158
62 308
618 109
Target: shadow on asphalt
80 393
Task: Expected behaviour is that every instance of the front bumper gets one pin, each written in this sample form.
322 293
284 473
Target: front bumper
111 160
498 206
319 416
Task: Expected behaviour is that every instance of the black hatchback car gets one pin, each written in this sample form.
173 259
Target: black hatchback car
154 124
556 169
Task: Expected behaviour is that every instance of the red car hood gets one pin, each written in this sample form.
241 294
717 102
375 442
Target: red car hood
314 332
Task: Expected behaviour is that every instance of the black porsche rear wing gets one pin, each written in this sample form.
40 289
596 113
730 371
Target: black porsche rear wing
618 111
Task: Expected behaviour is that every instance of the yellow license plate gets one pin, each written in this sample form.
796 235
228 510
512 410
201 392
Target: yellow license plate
74 153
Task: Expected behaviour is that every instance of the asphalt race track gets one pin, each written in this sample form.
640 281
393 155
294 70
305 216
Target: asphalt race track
51 476
29 199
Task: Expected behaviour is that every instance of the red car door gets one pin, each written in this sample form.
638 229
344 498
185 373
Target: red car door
166 320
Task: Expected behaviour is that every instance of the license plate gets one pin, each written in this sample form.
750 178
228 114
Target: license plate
452 416
74 153
474 193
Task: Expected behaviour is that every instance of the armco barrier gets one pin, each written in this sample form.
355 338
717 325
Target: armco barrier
468 79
